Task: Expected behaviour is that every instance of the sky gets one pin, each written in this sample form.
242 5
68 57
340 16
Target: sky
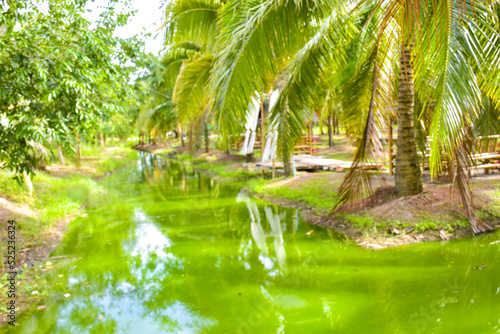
148 19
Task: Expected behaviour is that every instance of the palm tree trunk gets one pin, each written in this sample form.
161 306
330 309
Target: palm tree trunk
330 130
181 136
309 138
262 127
287 164
207 139
408 174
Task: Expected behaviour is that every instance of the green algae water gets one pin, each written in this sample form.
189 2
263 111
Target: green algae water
170 251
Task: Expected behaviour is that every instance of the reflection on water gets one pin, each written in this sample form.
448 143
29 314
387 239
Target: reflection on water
170 251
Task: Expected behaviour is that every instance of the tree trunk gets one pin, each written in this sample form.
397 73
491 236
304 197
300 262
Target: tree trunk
330 129
262 127
101 136
207 140
28 182
287 164
390 144
408 174
60 154
336 125
181 136
78 150
228 147
309 137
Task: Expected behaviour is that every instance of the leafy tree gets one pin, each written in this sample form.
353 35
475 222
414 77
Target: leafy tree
61 75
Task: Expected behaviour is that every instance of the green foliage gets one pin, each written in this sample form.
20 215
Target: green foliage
55 197
11 188
359 221
61 75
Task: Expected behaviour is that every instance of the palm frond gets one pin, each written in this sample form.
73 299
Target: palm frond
303 85
444 73
460 163
369 94
191 21
253 44
172 61
189 95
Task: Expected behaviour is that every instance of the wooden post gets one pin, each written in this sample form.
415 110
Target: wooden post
274 168
310 139
391 167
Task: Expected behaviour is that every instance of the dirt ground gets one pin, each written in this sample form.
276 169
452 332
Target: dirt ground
27 254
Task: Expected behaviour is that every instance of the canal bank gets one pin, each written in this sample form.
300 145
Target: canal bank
385 220
61 194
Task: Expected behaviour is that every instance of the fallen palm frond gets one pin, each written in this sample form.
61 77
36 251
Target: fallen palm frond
372 87
357 182
460 175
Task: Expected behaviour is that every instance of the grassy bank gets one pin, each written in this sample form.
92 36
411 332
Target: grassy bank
387 220
61 193
314 191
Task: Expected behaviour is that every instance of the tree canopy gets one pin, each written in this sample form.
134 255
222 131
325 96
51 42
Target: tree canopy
61 74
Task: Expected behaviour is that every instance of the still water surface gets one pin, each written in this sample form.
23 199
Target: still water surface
170 251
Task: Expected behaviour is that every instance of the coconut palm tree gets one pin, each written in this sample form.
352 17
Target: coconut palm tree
180 91
394 50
